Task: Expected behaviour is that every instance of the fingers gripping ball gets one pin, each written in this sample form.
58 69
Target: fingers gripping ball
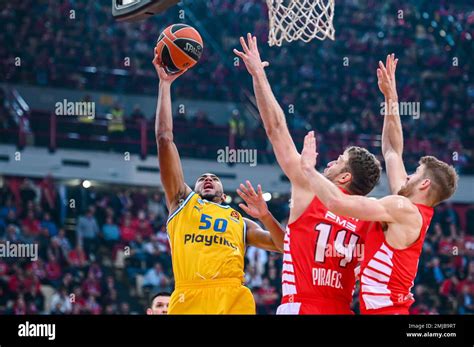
179 48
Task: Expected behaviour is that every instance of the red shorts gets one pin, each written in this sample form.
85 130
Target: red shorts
295 304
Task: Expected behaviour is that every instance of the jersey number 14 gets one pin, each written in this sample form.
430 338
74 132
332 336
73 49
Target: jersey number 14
323 248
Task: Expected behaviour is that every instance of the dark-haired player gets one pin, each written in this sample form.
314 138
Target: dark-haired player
159 304
321 248
207 238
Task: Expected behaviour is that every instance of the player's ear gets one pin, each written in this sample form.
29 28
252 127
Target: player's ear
223 197
425 184
149 311
344 178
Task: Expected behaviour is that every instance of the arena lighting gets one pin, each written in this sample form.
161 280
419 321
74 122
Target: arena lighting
267 196
86 184
228 199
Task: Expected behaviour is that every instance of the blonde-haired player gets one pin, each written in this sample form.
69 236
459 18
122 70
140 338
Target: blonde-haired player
207 238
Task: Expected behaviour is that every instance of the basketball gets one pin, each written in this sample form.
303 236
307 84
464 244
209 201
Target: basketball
179 47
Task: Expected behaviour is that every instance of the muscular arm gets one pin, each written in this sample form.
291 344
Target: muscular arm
276 128
260 238
171 172
392 133
272 114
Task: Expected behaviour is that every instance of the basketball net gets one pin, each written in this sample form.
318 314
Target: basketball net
304 20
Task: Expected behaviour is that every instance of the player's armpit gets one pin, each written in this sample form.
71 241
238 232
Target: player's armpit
260 238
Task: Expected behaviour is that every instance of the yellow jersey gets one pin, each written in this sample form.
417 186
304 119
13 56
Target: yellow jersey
207 241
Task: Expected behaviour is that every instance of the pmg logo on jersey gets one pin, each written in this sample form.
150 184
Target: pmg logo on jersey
37 330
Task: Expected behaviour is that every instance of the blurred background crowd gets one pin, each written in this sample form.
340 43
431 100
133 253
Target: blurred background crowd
329 86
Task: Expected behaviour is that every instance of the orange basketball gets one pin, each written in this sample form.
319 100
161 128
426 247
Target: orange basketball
179 47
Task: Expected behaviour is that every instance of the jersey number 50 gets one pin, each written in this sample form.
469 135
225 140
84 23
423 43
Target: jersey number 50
219 225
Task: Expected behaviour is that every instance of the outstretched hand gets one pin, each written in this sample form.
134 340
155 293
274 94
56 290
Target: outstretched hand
256 206
386 76
162 74
309 153
251 55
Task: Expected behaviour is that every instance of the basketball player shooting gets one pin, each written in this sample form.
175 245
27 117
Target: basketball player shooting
207 238
320 247
394 245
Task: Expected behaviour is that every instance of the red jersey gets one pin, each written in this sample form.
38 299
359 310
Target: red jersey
388 274
321 251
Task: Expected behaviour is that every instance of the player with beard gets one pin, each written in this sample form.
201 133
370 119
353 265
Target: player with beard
393 247
207 238
321 248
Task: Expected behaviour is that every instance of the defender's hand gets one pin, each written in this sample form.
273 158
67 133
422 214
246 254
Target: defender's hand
251 55
309 154
256 206
386 76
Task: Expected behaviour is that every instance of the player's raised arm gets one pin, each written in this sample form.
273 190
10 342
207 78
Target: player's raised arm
171 172
392 133
389 209
272 114
256 207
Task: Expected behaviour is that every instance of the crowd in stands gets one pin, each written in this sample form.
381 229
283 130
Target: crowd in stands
115 255
329 86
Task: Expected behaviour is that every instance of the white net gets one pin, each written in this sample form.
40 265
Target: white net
304 20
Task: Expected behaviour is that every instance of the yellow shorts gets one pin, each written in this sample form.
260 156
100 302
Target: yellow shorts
219 296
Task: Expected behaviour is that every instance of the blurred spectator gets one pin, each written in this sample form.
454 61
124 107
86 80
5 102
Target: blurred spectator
127 232
61 302
31 225
156 280
236 129
49 224
116 126
87 230
110 232
257 258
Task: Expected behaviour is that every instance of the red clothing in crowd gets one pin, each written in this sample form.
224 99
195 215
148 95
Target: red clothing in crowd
31 226
448 287
143 227
14 283
268 295
77 258
91 287
446 246
127 233
53 270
